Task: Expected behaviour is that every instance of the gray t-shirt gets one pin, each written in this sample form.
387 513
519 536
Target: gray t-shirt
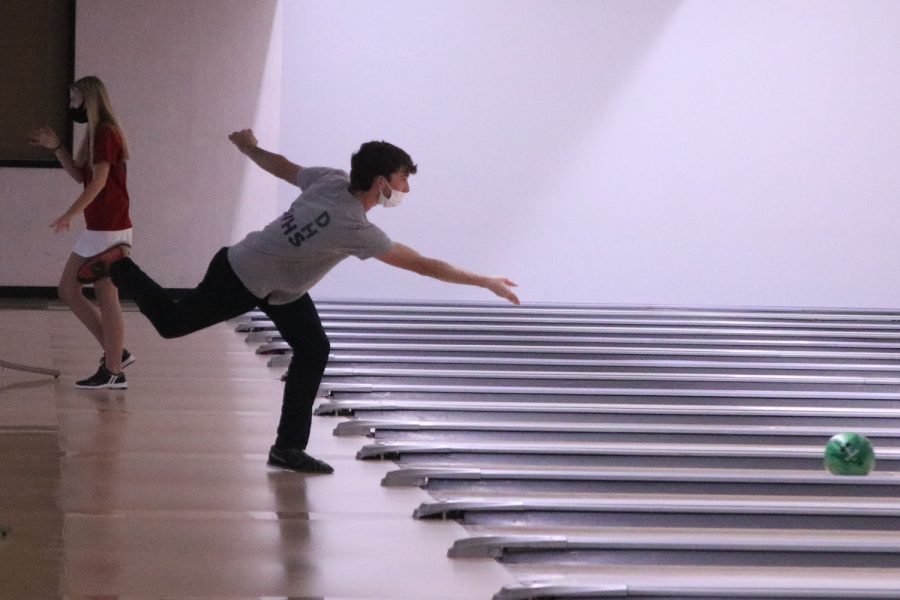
323 226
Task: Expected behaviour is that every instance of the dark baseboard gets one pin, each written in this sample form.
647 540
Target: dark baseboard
28 293
49 293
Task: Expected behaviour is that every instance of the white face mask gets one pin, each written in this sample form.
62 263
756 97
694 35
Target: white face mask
395 198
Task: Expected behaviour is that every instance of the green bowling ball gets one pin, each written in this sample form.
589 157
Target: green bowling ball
849 454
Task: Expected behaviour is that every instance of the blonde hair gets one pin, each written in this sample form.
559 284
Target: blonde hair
99 110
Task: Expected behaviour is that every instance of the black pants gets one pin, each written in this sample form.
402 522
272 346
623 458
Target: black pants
221 296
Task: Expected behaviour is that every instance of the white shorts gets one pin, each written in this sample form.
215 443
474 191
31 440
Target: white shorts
95 242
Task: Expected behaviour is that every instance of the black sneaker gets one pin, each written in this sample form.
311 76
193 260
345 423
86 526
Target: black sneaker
295 459
127 358
103 379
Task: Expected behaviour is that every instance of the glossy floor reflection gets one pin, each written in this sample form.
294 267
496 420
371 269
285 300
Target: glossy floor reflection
161 491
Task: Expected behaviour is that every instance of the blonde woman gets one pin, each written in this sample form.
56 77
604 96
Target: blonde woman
99 164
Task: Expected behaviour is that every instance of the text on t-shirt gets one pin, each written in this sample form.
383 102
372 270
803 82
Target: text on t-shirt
297 235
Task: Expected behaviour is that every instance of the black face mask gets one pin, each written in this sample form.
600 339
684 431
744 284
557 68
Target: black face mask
79 115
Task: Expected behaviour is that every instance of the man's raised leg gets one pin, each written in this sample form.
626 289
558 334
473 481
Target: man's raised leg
218 297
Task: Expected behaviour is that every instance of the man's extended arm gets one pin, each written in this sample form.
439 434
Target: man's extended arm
275 164
405 257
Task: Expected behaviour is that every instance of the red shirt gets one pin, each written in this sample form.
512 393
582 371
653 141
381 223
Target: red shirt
109 210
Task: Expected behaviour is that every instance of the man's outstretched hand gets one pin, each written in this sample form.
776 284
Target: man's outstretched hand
500 286
244 140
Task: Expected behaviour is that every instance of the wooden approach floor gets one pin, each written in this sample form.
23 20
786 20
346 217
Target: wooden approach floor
161 491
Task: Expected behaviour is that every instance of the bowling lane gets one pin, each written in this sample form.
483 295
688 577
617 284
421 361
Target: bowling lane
674 546
674 328
393 307
527 316
525 431
364 360
760 409
593 511
637 339
280 353
596 454
337 378
561 581
618 480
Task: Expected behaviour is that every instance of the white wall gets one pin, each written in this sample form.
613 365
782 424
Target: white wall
701 152
182 75
696 151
